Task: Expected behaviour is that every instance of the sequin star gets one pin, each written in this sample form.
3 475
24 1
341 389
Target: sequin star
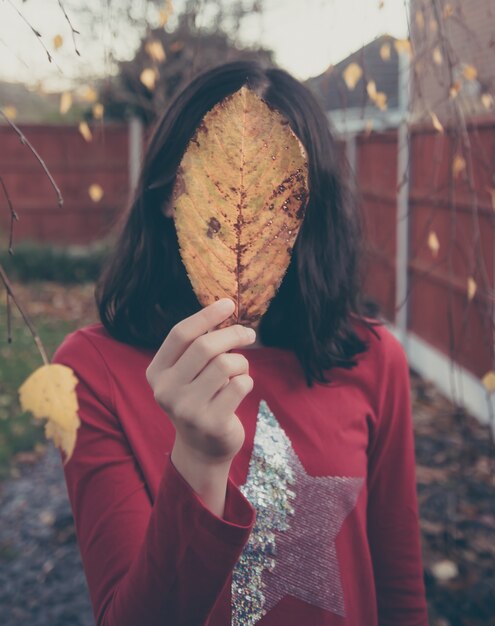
291 549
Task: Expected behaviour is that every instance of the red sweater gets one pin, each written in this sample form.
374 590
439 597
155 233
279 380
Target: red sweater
321 520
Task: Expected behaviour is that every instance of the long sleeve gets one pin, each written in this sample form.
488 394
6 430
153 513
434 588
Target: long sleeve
392 513
160 564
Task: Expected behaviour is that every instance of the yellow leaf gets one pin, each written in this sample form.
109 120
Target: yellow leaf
155 50
470 72
49 393
489 381
448 10
10 112
58 40
458 165
487 101
420 19
98 110
454 89
380 100
433 243
437 56
90 94
352 74
85 131
95 192
237 224
148 78
65 102
371 89
385 52
471 288
403 46
436 122
165 13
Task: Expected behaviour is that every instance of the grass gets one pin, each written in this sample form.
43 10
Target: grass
20 432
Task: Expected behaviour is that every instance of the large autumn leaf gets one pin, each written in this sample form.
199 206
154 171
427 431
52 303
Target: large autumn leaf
49 393
239 201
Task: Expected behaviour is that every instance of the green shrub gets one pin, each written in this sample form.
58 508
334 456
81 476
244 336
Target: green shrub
63 264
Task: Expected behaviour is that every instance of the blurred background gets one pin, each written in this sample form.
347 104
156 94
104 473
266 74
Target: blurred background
409 91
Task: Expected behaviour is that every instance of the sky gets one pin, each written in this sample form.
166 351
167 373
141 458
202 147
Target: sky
306 36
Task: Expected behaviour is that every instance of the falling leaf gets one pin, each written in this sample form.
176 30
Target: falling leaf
239 200
444 570
385 51
148 78
454 89
489 381
352 74
403 46
90 94
95 192
433 243
65 102
420 19
155 50
10 112
458 165
49 393
487 100
98 110
448 10
470 72
437 56
165 13
436 122
85 131
471 288
58 41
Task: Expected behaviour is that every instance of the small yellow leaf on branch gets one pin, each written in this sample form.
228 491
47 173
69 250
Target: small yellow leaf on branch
487 101
90 94
437 56
433 243
155 50
436 122
371 89
85 131
95 192
10 112
459 165
98 110
65 102
165 13
471 288
448 10
148 77
385 52
470 72
433 25
403 46
488 381
49 393
58 41
454 89
420 20
352 75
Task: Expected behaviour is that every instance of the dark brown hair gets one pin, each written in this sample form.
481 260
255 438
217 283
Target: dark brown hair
144 289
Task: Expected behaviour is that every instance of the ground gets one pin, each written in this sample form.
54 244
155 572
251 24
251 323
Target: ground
41 577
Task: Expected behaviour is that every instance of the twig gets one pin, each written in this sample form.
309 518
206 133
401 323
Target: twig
25 141
11 295
13 214
73 30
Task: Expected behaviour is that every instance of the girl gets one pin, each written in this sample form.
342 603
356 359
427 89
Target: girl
218 479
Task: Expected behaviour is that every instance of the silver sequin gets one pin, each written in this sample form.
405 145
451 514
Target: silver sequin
291 549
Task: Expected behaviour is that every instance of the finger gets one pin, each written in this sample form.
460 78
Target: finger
207 347
229 398
217 374
186 331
